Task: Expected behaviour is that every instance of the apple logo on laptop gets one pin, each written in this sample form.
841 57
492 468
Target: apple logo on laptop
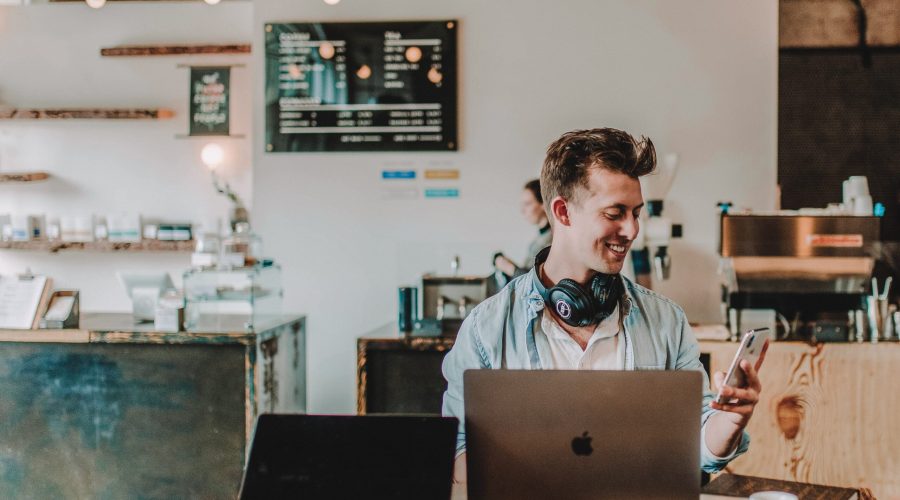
581 445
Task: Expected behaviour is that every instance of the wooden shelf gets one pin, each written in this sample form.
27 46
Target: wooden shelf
23 176
174 50
100 246
86 114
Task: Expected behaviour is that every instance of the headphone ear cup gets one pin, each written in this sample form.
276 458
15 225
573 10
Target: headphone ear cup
606 290
572 304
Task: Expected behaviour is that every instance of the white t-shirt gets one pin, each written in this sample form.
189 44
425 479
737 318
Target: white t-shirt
559 351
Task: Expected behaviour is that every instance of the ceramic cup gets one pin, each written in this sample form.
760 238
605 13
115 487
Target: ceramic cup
773 495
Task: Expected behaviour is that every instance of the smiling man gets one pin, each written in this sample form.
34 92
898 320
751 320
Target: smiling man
574 311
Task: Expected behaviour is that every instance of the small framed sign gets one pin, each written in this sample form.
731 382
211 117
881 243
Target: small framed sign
209 114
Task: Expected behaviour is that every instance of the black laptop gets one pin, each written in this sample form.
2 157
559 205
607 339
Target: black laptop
327 457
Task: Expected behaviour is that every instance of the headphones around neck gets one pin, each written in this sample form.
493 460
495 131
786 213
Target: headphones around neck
574 304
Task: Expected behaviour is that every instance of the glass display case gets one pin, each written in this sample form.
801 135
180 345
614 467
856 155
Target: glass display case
221 298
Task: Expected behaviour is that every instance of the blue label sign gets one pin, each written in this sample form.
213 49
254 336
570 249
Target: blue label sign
398 174
442 193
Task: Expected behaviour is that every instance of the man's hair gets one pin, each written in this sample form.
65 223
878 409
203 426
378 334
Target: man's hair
534 185
571 157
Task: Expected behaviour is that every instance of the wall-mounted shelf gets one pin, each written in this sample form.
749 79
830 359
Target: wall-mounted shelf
174 50
23 176
86 114
100 246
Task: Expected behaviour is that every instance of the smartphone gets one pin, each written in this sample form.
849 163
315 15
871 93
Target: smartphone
750 349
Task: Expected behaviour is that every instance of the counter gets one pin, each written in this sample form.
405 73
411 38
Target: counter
118 410
828 412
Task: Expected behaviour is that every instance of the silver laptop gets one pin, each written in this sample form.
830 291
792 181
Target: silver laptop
582 434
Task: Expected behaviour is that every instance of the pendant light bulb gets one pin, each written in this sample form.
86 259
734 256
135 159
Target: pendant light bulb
212 155
95 4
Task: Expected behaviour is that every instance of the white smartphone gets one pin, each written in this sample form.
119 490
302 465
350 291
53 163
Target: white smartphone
750 349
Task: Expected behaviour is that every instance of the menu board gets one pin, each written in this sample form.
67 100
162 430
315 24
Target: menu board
386 86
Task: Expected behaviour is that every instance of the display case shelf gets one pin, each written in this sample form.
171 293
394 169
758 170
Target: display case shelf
174 50
23 176
99 246
86 114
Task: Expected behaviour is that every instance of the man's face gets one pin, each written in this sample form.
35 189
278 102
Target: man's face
604 219
530 208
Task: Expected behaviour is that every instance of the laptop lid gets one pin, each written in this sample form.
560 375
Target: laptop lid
582 434
325 457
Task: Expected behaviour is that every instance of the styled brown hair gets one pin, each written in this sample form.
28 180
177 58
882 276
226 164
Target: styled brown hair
571 157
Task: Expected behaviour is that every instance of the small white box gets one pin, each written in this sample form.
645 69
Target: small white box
76 228
22 228
123 227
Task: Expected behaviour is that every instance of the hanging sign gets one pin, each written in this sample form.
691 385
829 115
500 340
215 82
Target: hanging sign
209 101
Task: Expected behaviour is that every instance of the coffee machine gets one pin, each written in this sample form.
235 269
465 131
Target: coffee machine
448 300
809 272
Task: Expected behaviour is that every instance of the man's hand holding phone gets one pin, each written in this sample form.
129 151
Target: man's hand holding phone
739 389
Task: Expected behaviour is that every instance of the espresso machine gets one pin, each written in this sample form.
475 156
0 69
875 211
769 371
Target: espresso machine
809 272
448 300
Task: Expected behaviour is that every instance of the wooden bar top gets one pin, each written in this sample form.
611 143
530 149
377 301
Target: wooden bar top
735 485
729 486
121 328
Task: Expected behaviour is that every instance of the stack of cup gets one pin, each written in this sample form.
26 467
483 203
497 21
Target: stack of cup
857 199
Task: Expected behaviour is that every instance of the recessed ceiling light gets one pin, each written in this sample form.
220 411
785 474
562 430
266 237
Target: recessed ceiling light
95 4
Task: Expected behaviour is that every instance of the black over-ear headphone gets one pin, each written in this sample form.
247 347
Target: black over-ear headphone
575 305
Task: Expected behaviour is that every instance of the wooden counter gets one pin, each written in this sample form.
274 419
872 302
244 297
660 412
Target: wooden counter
399 374
118 410
829 414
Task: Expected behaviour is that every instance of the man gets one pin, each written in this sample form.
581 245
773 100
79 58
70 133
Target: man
593 198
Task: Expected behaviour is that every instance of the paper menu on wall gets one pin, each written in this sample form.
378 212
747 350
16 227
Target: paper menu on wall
20 300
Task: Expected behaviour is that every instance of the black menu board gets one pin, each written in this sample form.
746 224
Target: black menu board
386 86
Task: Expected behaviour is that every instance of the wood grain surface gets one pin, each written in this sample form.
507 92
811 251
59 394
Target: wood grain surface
834 23
85 114
100 246
23 176
829 414
174 50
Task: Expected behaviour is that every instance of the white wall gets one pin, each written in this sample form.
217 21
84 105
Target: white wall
699 77
50 57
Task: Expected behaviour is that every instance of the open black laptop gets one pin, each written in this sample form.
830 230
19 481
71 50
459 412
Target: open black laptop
325 457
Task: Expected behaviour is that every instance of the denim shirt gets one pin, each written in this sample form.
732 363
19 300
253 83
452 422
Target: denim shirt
655 331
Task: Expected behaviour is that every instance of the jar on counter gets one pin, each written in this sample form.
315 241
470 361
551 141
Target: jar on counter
207 248
242 247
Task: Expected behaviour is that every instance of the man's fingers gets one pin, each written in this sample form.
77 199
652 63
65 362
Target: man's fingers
719 379
751 375
744 395
740 409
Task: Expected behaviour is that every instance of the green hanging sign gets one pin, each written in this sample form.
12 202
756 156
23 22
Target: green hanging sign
209 101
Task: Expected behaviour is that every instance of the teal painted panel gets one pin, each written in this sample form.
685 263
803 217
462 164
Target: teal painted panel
121 421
